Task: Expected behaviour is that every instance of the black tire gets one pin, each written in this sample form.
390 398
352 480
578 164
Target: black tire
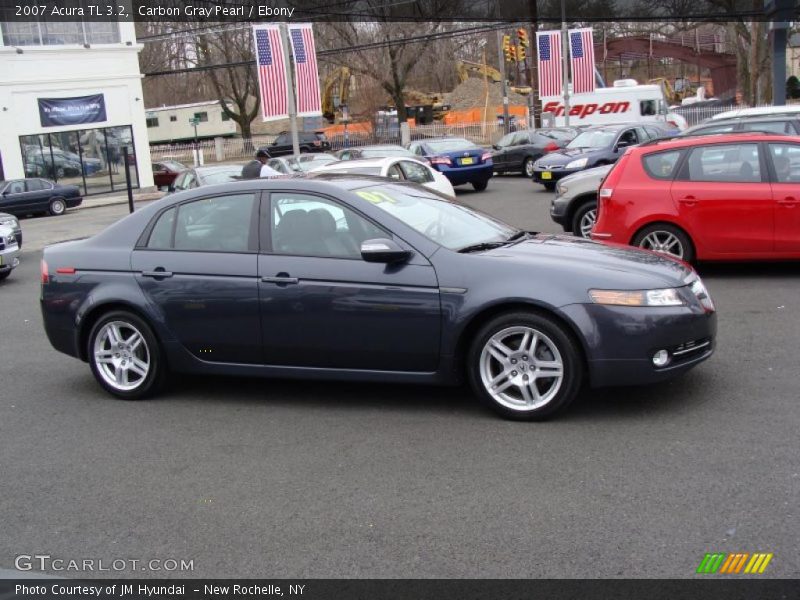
156 375
58 207
527 166
550 186
480 185
662 231
550 332
5 274
584 211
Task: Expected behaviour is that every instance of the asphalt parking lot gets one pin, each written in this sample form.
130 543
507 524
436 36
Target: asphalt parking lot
260 478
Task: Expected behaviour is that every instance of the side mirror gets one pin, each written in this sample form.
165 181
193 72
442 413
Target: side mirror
383 250
621 144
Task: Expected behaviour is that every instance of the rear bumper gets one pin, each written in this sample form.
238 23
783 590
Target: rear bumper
461 175
73 202
620 341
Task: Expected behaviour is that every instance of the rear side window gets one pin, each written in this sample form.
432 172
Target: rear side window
661 165
161 236
769 126
734 163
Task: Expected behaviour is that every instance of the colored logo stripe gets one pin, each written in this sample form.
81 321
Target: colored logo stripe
720 562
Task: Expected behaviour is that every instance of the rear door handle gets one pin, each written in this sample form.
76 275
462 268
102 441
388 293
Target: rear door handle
788 201
280 280
688 200
158 273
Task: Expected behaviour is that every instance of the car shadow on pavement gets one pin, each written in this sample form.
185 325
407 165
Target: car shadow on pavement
327 395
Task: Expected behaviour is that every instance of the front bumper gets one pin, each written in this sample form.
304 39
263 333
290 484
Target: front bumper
620 341
558 211
9 259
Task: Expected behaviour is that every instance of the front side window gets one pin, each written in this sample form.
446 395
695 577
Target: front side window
394 172
724 163
15 187
786 160
308 225
446 223
221 224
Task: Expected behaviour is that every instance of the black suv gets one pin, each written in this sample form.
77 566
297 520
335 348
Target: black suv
309 142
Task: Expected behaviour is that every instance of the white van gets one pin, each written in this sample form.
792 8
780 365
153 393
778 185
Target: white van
626 102
760 111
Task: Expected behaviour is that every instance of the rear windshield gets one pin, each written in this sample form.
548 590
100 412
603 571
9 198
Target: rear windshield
451 145
661 165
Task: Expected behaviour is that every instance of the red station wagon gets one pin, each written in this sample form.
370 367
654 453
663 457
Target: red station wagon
714 197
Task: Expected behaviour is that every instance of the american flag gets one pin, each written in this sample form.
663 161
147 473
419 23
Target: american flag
581 50
271 72
550 73
306 73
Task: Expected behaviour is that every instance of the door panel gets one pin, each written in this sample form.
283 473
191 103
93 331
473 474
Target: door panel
785 159
720 197
330 308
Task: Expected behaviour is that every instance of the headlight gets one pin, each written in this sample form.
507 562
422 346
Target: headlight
577 164
9 222
699 290
664 297
11 240
561 189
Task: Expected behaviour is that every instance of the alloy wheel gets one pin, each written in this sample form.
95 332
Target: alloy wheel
664 242
587 222
121 355
529 167
521 368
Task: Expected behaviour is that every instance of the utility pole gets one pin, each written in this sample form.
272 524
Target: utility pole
502 60
565 61
292 104
534 27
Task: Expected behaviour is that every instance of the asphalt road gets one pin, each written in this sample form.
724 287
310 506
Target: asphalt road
259 478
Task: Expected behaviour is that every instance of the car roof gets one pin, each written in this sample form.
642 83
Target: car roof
788 109
613 126
683 141
751 118
378 161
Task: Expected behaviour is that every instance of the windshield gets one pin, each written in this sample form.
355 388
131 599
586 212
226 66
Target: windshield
599 138
452 145
449 224
313 162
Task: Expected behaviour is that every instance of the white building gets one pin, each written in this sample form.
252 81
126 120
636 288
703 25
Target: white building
70 101
175 123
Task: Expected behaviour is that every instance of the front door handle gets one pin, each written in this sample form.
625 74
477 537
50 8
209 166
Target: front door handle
688 200
280 280
158 273
788 201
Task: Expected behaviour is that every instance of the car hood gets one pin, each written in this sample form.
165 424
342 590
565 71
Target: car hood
600 265
562 157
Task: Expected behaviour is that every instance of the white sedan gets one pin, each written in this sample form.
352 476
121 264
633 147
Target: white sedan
402 168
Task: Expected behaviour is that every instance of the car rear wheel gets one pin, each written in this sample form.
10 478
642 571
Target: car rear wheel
665 239
125 356
527 167
524 366
480 185
584 219
57 207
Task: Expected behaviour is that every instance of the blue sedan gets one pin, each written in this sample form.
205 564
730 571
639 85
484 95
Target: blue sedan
460 160
354 277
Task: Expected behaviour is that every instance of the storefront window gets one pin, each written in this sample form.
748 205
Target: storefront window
92 159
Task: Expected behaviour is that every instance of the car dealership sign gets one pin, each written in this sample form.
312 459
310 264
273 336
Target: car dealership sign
72 111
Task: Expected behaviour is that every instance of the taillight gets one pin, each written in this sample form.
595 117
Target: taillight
45 275
441 160
551 147
66 270
486 156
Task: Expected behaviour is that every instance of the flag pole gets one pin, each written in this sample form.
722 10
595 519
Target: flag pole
565 62
291 104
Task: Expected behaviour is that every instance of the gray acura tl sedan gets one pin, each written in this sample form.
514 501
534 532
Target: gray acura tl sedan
356 277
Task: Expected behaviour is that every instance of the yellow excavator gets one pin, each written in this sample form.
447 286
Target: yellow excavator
336 86
465 68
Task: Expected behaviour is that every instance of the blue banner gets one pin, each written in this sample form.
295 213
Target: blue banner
55 112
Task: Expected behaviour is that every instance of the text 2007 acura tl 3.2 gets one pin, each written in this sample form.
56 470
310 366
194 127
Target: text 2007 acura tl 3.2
355 277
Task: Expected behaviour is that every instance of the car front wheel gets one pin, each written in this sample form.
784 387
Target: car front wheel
527 167
57 207
524 366
125 356
584 219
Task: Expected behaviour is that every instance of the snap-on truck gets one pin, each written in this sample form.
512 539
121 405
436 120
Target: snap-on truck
625 102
